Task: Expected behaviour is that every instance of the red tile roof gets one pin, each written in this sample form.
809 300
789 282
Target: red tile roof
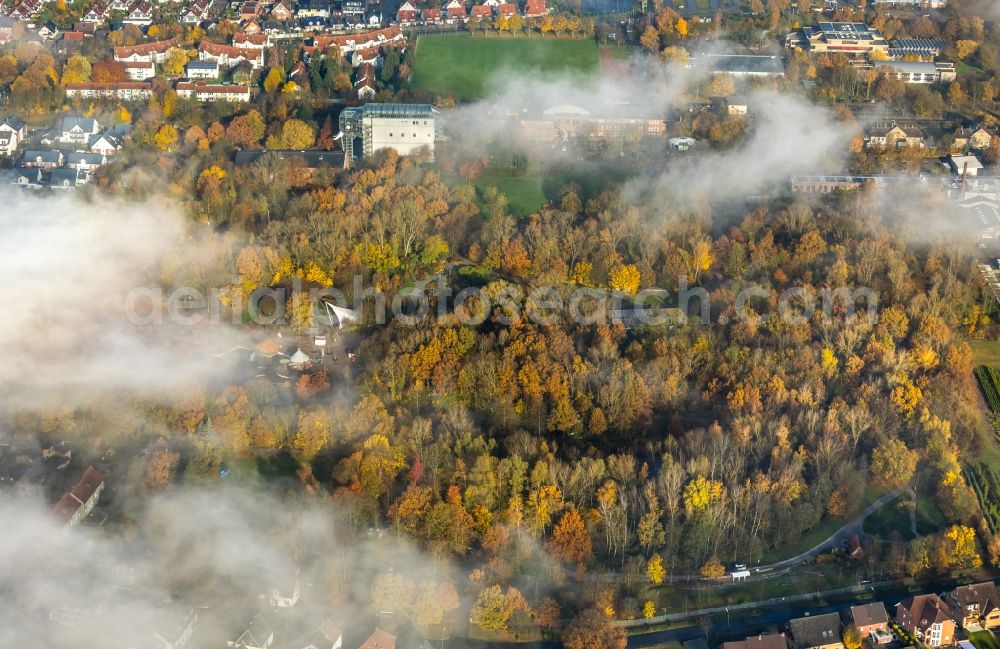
143 49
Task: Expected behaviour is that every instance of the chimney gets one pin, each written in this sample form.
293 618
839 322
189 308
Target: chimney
965 174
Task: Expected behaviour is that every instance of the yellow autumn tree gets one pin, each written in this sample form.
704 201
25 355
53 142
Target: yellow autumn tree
961 547
655 570
624 278
700 493
275 77
166 138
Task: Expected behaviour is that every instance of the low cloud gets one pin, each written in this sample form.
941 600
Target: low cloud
69 265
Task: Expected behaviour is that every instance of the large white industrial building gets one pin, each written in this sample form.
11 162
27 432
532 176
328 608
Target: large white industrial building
406 128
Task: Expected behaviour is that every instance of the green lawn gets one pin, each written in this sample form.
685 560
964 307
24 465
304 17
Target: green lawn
985 352
821 532
528 191
983 640
464 65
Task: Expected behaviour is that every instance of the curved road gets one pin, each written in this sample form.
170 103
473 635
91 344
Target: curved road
838 538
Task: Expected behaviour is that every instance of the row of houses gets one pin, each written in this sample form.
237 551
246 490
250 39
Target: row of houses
249 48
900 135
142 90
932 619
139 13
455 10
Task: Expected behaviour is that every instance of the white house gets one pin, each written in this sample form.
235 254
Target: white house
140 70
208 92
104 144
285 596
202 70
327 636
12 133
141 14
258 635
77 130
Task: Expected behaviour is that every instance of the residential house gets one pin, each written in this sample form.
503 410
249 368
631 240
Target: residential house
257 635
41 159
327 636
368 41
768 641
816 632
454 10
74 37
105 144
535 9
8 143
85 160
229 55
313 9
281 11
407 13
97 13
285 595
871 620
197 12
29 177
141 14
364 84
928 618
77 503
76 130
66 179
140 70
22 12
120 5
202 70
506 9
211 92
482 12
12 133
353 10
431 14
124 91
368 56
977 138
171 630
249 11
155 51
247 41
894 136
49 31
379 639
976 606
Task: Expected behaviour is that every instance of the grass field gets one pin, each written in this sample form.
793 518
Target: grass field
464 65
526 192
821 532
985 352
983 640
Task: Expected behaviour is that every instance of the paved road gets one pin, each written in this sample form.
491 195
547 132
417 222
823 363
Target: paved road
837 539
844 534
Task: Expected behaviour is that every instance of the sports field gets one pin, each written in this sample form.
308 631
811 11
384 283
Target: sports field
463 65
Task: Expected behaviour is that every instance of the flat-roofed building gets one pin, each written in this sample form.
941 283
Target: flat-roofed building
741 65
919 71
852 39
407 128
